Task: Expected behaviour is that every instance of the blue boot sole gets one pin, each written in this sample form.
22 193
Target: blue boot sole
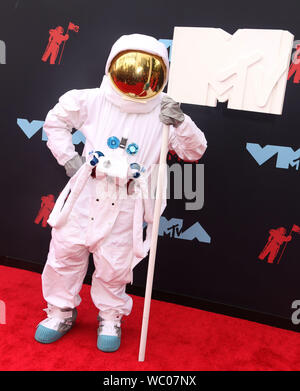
108 343
45 335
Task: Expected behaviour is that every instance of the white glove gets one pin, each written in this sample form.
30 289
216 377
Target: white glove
73 165
170 112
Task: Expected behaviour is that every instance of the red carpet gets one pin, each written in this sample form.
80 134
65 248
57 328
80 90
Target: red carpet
179 338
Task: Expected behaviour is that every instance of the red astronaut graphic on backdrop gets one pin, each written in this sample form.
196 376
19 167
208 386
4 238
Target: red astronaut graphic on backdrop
56 37
276 238
47 205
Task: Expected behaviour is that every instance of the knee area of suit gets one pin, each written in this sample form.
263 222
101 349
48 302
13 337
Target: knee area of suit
114 278
62 269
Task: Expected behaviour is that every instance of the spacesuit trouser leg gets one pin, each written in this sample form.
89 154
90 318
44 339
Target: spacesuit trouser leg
113 259
64 272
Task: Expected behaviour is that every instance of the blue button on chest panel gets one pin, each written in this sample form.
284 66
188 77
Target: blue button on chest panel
113 142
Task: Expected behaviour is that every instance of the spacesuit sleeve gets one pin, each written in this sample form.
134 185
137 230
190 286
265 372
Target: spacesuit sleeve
187 140
68 113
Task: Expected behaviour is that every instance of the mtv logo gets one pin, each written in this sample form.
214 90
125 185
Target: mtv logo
248 69
173 229
286 156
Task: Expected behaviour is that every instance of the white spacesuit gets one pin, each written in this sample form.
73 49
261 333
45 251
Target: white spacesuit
111 228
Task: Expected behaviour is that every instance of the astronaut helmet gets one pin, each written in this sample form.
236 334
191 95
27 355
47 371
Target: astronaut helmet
138 66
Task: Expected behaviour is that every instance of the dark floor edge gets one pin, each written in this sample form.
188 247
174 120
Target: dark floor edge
202 304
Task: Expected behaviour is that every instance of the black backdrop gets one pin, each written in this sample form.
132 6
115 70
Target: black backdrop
243 200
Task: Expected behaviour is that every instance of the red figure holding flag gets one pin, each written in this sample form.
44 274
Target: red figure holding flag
55 39
276 239
46 207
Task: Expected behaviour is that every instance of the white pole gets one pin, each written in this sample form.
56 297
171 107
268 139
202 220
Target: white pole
152 255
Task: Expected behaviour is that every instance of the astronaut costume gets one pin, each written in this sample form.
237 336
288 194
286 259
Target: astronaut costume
111 227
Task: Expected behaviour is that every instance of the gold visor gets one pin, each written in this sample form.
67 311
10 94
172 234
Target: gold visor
137 74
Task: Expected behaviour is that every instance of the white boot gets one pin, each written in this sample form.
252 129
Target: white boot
58 323
109 332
